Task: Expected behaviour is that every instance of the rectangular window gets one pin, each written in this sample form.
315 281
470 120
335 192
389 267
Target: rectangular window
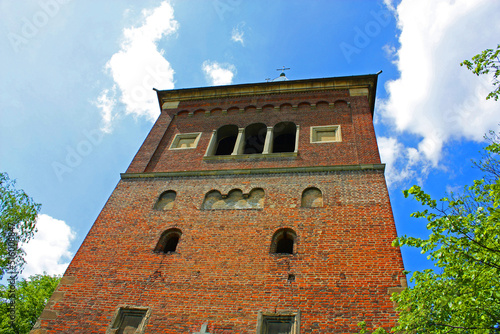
129 320
185 140
325 134
278 323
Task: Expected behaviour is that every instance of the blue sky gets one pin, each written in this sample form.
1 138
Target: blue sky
76 98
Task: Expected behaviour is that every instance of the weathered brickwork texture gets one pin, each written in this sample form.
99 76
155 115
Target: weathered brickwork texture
343 266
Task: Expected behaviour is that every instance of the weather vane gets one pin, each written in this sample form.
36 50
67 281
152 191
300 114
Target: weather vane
282 76
283 70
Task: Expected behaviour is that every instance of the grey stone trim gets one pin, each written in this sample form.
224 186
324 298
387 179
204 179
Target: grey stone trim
250 156
67 280
396 289
253 171
38 331
48 315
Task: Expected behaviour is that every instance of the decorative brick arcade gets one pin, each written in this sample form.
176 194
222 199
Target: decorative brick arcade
255 208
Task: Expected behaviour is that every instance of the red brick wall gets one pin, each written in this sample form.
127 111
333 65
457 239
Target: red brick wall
223 272
358 144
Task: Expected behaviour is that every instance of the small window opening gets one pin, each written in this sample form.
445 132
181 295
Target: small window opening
278 323
284 137
255 138
285 245
283 241
171 244
168 241
129 320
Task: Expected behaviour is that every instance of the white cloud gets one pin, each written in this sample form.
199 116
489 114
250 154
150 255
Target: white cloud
434 98
218 74
402 163
48 251
390 51
453 189
237 34
139 66
106 102
390 5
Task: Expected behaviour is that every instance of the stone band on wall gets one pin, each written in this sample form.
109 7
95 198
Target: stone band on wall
311 169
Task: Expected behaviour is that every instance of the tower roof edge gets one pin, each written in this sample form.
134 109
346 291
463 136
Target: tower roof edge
357 84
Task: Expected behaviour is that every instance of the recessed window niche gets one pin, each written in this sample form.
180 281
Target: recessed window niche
166 200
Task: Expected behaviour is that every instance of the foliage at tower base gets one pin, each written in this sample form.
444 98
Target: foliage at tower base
31 296
18 213
462 293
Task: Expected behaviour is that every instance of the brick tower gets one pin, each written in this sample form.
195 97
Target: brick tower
254 208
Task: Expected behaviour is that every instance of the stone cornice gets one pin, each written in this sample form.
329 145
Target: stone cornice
175 96
254 171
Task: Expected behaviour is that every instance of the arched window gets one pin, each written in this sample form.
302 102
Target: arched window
283 241
166 200
255 138
284 134
168 241
225 139
312 198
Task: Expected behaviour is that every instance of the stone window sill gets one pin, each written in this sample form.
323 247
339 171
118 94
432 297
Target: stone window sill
251 156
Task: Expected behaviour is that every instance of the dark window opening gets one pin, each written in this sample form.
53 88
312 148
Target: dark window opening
284 143
255 138
284 134
171 244
285 245
226 146
168 241
283 241
225 137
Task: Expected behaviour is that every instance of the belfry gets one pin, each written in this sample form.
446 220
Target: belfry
252 208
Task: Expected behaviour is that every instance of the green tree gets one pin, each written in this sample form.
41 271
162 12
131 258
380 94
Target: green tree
18 214
484 63
462 293
31 296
